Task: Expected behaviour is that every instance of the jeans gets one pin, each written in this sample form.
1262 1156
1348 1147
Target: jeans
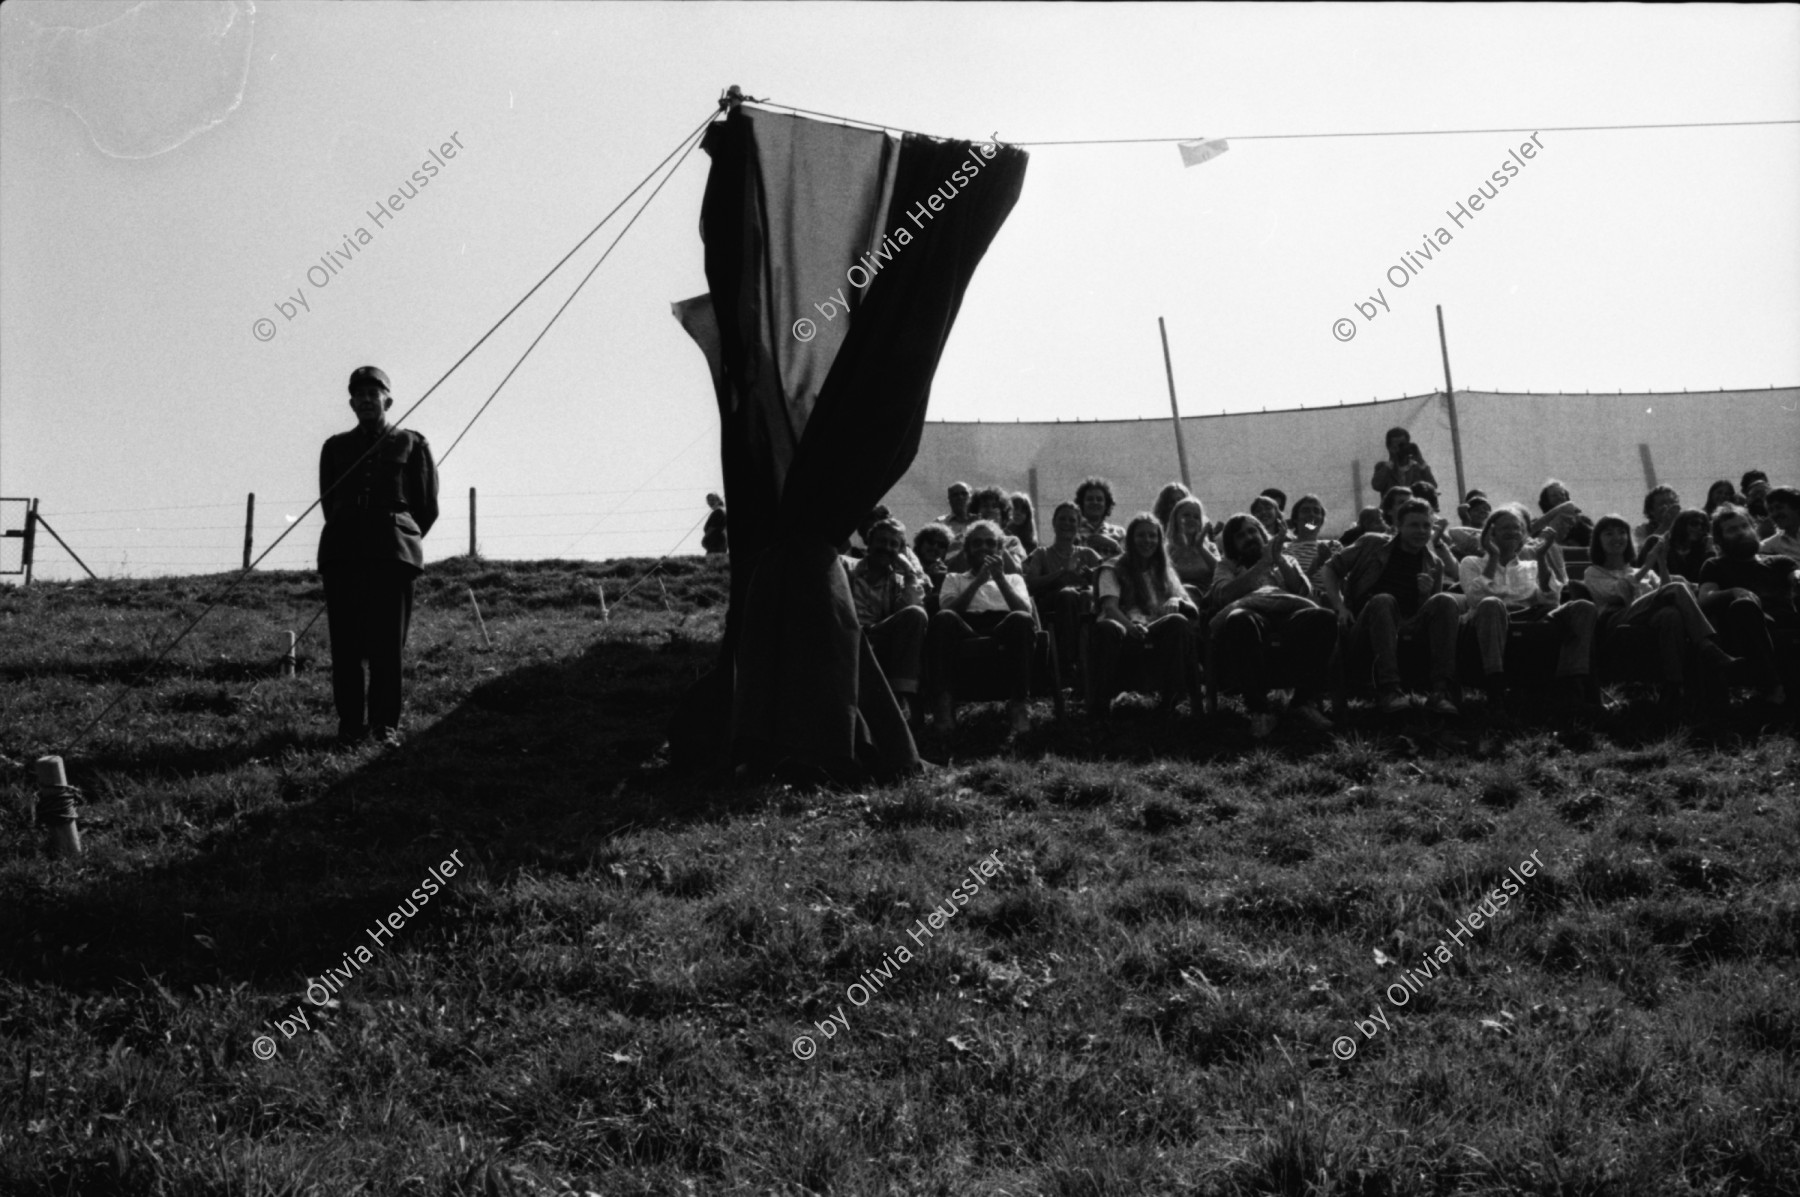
1379 628
899 644
1242 651
1015 630
1573 621
1169 641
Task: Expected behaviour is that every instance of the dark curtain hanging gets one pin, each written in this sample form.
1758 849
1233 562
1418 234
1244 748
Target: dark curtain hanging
796 687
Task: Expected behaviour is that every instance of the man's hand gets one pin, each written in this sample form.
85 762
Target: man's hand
1427 586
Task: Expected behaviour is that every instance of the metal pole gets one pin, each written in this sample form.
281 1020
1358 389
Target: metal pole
65 544
30 536
1031 489
249 526
1174 407
1649 466
1462 486
471 521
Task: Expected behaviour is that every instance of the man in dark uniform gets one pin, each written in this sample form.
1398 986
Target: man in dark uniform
378 487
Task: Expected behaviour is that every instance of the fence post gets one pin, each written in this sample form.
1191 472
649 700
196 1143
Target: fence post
30 536
249 527
472 521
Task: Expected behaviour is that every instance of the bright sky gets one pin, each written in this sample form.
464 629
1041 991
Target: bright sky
147 224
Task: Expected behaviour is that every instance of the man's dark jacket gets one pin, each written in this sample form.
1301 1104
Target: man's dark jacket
385 505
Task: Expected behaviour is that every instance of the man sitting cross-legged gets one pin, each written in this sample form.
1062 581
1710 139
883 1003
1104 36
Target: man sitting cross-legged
1143 609
986 599
1750 595
1506 584
1060 576
889 592
1385 587
1259 591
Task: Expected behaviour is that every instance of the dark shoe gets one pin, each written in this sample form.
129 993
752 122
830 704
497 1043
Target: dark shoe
348 735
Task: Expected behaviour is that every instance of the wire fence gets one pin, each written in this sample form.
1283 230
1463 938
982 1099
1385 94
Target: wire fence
513 525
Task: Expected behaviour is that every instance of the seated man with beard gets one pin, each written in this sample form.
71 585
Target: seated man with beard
889 592
1259 592
1762 595
987 599
1143 609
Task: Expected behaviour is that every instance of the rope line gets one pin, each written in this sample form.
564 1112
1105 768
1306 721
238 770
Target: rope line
693 140
129 687
652 475
850 120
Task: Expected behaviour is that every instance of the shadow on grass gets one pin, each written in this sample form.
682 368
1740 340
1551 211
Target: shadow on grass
534 770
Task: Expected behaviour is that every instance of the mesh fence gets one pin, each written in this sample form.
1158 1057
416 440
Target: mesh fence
1608 449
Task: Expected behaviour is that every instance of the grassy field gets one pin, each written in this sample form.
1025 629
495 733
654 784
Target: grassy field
1196 964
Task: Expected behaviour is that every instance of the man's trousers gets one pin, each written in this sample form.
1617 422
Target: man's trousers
368 605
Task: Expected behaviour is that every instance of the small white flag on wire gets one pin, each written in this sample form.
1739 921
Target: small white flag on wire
1193 153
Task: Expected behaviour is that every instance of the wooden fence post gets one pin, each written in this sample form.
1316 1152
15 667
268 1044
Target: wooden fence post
249 527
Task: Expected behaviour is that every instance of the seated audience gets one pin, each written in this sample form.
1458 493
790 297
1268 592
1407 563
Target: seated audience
1094 498
889 592
1637 597
1473 511
1560 512
1784 513
1184 540
1280 497
1661 506
1761 590
1259 592
1404 466
1755 489
931 549
1306 547
1507 584
1720 493
1369 519
1385 587
1143 609
986 599
1023 522
1060 577
870 518
958 519
1685 548
1166 499
1268 513
990 503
